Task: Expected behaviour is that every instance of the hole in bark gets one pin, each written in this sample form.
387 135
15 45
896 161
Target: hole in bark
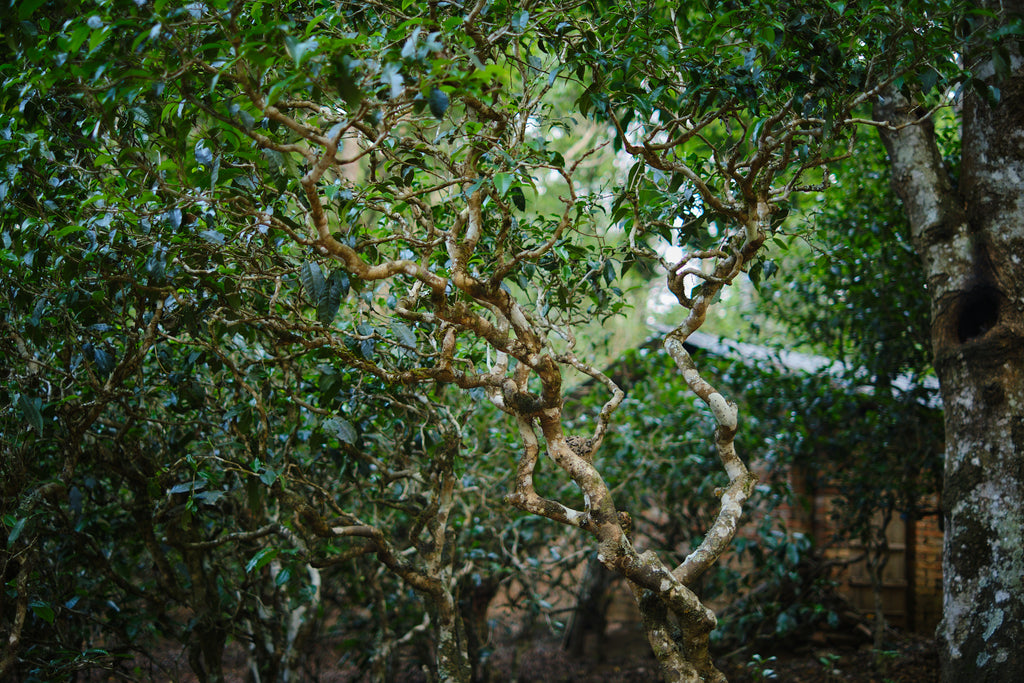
979 313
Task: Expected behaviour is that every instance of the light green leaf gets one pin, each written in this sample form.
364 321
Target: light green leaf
268 476
213 237
519 21
203 154
392 78
299 48
502 182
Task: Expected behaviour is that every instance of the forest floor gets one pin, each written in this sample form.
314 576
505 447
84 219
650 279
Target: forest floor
622 655
626 658
913 659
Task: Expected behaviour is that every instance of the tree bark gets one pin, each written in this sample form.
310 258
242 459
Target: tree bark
971 241
452 656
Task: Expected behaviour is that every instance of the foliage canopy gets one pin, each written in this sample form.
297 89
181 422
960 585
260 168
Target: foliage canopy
249 248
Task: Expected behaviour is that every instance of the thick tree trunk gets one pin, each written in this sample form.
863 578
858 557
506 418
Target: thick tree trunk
452 656
971 241
680 642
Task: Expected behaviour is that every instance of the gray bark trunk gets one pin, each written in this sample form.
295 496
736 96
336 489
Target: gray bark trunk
971 241
452 657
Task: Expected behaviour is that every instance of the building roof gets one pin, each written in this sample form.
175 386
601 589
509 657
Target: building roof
750 354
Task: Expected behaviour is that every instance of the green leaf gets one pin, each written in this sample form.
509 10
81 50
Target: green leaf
635 173
187 487
792 554
42 610
502 182
518 198
404 335
929 78
341 429
330 297
347 81
519 21
104 361
438 102
1001 62
213 237
298 49
19 526
30 411
312 279
784 623
203 154
268 476
609 272
67 230
260 560
28 8
282 577
329 385
214 173
755 273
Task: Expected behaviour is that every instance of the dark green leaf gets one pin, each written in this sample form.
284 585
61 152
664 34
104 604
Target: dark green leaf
518 198
609 272
635 173
347 82
404 335
260 560
42 610
282 577
330 297
16 531
312 279
341 429
929 78
438 102
30 412
28 8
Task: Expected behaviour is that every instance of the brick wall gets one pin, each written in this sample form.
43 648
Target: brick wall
921 593
929 574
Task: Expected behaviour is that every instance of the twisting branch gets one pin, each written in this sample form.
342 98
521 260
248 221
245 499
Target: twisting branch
746 241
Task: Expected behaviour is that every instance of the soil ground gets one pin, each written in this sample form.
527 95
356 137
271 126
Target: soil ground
621 656
628 660
624 657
